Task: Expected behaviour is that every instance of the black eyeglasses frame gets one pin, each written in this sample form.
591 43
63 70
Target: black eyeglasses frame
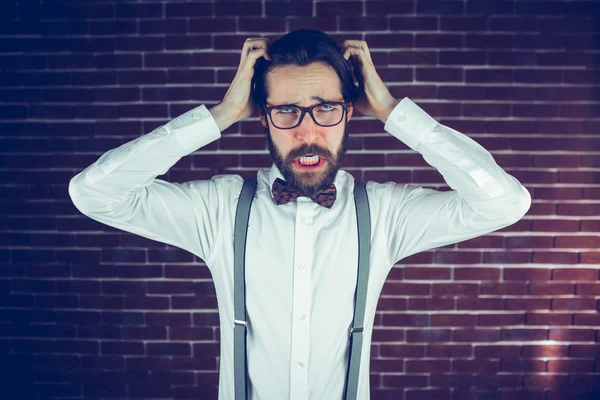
309 110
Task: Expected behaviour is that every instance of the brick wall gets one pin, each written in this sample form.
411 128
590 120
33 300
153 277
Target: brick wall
87 311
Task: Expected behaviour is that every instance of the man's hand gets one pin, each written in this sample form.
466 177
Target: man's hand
374 98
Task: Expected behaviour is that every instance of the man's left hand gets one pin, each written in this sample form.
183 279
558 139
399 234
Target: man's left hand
374 98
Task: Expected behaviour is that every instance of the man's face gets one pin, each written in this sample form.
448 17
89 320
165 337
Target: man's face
297 85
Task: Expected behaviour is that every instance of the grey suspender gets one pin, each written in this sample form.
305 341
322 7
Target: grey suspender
239 284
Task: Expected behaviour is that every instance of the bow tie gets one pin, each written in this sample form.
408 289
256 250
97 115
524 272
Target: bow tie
283 194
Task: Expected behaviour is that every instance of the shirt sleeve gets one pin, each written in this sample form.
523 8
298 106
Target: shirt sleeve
120 189
483 199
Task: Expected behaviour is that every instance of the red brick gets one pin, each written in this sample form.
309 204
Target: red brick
449 350
571 335
524 334
592 319
575 274
588 289
527 274
428 335
555 225
584 350
433 273
529 242
406 289
523 394
591 242
522 365
502 319
546 380
507 288
455 380
590 257
551 288
571 365
582 303
508 257
442 74
548 318
498 381
476 335
486 241
475 366
392 303
431 303
402 350
430 394
480 304
528 303
544 350
587 380
388 335
476 274
453 320
554 257
497 351
405 319
421 366
402 381
455 289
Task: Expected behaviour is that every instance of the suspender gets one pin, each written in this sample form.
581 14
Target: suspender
242 216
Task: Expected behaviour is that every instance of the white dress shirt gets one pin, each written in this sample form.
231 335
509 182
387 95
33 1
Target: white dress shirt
301 258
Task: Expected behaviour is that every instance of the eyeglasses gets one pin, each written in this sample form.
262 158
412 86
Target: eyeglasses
324 114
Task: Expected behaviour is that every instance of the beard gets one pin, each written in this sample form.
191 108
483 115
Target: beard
311 182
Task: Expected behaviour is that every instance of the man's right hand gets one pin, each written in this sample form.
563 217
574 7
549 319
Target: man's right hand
237 103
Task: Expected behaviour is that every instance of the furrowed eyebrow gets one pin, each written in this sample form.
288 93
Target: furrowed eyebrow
321 99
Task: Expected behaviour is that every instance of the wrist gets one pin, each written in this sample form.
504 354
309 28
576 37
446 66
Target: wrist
223 116
387 110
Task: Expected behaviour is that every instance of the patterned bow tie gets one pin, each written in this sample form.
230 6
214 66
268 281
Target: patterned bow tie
283 194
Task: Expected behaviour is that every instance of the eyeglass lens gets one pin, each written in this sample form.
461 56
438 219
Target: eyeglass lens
325 114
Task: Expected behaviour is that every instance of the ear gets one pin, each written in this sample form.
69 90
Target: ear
349 112
262 117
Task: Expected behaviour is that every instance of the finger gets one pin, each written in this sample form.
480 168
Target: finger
254 43
260 52
362 45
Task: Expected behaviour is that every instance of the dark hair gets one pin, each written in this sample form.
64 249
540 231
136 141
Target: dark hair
302 47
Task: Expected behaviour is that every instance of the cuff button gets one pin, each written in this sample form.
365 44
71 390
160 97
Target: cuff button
401 118
196 115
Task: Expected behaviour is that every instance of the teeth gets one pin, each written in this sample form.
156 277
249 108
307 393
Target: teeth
309 160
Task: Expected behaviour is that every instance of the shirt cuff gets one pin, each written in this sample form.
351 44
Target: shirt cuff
409 122
194 129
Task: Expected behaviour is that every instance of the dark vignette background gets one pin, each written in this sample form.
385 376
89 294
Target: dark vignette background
90 312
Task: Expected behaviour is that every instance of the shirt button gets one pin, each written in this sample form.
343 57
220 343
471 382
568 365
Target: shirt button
401 118
302 268
299 364
301 316
196 115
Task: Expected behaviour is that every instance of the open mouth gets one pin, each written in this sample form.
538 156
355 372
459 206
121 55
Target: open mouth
309 163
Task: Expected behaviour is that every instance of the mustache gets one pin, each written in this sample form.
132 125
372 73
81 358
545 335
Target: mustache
314 151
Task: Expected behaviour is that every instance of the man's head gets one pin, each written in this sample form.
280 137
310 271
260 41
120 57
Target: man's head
306 68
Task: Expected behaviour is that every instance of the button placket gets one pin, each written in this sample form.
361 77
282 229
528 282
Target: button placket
303 256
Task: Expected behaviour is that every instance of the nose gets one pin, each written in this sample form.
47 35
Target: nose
308 129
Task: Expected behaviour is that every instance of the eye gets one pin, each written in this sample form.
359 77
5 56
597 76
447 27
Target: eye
281 109
323 107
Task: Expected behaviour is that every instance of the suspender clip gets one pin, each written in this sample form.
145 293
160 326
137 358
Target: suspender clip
355 329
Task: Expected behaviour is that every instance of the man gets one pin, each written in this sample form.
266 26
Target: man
301 255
